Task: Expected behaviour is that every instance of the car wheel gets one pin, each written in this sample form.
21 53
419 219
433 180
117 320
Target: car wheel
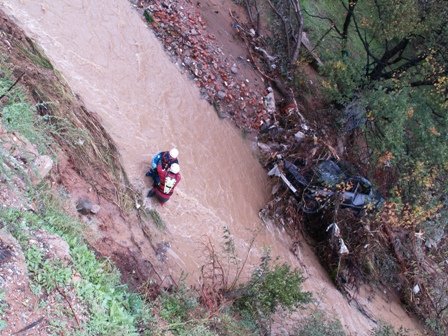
310 206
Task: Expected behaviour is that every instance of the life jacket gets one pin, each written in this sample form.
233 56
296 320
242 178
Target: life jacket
165 189
170 182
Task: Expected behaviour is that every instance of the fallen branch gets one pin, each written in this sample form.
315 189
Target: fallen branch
14 84
28 327
69 303
259 70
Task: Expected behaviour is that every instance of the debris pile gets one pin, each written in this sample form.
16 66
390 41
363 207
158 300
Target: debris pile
183 34
282 131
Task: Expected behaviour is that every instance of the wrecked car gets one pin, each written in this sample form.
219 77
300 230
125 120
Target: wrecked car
325 185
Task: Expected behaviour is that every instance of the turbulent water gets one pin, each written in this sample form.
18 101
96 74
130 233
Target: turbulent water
118 68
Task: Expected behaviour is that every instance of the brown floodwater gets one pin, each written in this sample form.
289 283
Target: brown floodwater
112 60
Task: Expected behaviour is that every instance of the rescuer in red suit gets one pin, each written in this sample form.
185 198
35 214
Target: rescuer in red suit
169 179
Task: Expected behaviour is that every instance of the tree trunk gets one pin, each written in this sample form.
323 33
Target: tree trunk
348 18
382 63
299 17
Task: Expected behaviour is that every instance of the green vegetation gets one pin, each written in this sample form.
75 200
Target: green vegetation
148 17
388 330
3 305
158 221
404 126
110 306
270 288
34 54
396 71
18 115
318 324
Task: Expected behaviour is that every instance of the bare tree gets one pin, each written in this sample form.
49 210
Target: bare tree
298 37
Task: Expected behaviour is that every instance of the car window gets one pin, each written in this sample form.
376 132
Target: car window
328 172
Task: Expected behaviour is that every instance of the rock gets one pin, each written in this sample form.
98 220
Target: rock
23 144
56 247
83 206
187 61
95 209
234 69
221 94
43 164
299 136
5 255
17 257
269 102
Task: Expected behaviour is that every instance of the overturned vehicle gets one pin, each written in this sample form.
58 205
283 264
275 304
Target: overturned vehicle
327 185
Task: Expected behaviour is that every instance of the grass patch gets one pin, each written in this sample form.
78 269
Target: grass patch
148 17
158 221
111 308
33 52
18 115
318 324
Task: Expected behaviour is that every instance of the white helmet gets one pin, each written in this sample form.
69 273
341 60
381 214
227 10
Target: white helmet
174 153
174 168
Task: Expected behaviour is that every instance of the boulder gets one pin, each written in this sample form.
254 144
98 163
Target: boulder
85 207
43 165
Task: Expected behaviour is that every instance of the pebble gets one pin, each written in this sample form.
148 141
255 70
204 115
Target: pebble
221 94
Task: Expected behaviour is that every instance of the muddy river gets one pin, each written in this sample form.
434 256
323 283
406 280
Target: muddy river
112 60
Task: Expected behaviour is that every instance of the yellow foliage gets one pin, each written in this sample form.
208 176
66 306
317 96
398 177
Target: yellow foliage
406 216
326 85
385 159
339 65
434 131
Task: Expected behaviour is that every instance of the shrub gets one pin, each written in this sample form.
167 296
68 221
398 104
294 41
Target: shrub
388 330
269 288
317 324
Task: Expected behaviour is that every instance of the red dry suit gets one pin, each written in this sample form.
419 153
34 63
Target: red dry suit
168 181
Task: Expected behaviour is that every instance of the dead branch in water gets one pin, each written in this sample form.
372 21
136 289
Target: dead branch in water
216 280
